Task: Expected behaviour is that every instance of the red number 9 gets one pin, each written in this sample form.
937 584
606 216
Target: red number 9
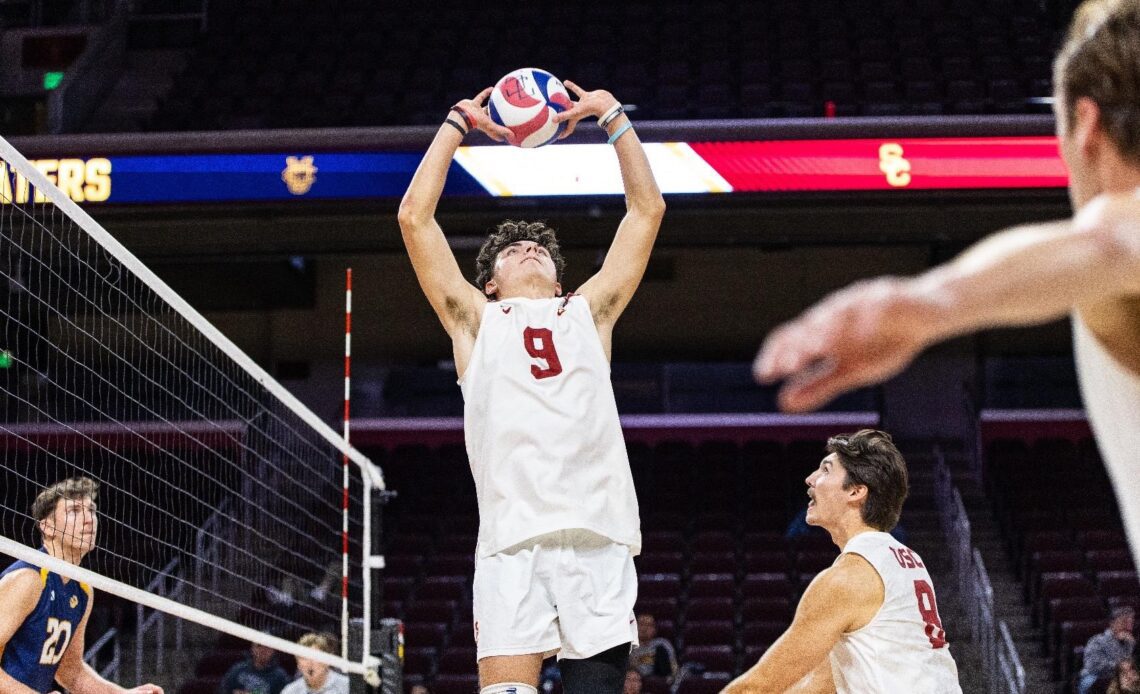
539 343
928 608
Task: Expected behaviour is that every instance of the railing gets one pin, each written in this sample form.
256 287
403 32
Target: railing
1000 660
210 550
1012 674
954 521
168 585
110 639
979 602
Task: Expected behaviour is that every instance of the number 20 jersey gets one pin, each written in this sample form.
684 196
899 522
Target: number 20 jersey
542 430
32 655
903 648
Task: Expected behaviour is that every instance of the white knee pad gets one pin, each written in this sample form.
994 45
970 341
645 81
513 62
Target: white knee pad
509 688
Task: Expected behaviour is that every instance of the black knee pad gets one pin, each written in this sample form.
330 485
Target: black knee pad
603 673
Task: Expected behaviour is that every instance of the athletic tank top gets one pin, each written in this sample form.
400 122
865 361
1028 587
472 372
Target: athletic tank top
1112 400
903 648
542 430
33 653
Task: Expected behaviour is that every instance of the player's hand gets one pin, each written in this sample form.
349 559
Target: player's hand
477 112
594 103
860 335
146 689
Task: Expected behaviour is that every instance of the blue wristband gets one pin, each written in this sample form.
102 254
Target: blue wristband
619 133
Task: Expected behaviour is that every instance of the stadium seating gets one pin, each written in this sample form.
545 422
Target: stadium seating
721 583
1058 515
277 63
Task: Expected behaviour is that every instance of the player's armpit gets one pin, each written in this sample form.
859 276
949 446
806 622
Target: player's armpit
452 297
18 597
456 302
612 288
19 593
836 601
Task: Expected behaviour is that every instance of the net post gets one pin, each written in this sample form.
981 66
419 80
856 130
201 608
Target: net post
388 648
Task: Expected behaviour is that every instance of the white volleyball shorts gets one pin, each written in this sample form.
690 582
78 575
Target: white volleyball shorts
569 592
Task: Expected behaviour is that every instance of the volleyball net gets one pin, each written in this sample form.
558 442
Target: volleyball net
220 495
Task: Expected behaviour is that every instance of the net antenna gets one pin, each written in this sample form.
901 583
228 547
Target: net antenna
218 493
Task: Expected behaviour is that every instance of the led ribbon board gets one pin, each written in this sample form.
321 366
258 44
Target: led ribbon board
712 168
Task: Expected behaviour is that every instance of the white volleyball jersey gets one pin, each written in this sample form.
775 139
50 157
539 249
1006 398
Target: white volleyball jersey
903 649
1112 400
542 430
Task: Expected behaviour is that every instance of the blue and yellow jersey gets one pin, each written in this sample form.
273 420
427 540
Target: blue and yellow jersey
32 655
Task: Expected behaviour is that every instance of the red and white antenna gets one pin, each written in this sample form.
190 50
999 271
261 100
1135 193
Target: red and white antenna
344 502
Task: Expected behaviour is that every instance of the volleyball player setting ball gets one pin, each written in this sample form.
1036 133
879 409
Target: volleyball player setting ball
540 421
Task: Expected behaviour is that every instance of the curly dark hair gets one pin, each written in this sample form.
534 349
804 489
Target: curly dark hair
509 232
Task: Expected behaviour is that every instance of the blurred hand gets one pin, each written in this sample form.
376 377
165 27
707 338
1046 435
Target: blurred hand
146 689
594 103
478 113
860 335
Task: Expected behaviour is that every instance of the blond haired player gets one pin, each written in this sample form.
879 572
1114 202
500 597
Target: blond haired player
43 616
558 519
317 677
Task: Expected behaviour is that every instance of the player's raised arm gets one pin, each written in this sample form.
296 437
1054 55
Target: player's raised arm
610 290
836 601
455 300
19 593
80 678
870 331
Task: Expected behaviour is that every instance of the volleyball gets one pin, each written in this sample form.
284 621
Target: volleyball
524 101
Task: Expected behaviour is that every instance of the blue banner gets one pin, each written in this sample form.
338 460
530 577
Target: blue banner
205 178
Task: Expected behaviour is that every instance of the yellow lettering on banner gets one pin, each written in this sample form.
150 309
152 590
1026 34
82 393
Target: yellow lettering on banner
98 187
23 190
5 185
70 178
81 181
892 163
47 167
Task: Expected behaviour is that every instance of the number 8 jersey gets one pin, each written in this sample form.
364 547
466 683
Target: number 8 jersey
903 648
542 430
32 655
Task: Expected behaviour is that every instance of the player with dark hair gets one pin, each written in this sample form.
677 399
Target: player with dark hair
43 616
870 622
558 517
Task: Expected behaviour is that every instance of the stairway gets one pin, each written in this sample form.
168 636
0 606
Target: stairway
926 537
1009 602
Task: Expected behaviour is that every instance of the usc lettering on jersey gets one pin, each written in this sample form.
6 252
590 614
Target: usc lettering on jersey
903 649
